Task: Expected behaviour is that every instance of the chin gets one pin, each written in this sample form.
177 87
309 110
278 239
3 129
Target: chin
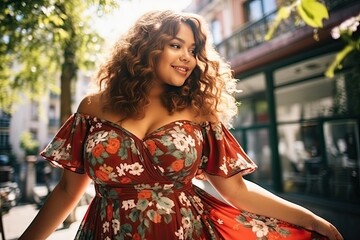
175 85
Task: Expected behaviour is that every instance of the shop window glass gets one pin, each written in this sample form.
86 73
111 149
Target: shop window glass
259 151
253 107
304 69
303 168
251 111
342 150
245 116
306 100
261 110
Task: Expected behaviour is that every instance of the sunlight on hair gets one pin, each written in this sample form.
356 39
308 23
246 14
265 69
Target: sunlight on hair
121 19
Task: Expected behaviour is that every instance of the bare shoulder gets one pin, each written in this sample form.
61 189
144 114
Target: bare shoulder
91 105
207 118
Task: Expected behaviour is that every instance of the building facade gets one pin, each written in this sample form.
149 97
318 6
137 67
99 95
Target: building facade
40 118
300 127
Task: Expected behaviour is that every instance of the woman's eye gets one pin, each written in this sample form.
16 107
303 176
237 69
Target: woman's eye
177 46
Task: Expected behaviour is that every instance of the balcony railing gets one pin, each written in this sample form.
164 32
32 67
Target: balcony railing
252 34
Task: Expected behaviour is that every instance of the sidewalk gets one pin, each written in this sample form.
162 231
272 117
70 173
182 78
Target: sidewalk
19 217
16 221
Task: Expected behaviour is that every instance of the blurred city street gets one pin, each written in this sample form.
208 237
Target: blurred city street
18 218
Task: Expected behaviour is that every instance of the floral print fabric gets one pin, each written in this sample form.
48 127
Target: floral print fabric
144 186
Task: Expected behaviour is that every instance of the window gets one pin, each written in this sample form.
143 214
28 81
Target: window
4 140
34 111
257 9
258 149
216 31
303 168
253 108
343 151
4 120
53 119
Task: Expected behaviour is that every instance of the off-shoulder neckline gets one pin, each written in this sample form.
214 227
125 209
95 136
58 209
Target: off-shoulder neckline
200 125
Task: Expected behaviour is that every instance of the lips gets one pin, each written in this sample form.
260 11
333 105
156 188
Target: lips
181 69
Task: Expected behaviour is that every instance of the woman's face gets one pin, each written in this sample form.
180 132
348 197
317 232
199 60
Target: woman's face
177 60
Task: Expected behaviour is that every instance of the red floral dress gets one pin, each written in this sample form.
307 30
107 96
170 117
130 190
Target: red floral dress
144 186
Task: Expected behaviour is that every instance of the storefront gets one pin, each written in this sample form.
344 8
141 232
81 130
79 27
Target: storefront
302 129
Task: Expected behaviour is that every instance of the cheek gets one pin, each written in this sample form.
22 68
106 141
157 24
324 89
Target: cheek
194 64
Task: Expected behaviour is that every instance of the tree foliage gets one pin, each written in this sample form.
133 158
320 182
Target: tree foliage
312 13
345 31
29 144
41 39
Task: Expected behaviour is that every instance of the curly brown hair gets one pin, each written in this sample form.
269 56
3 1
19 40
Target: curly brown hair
127 76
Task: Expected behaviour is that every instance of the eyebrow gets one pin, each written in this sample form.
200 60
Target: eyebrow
182 40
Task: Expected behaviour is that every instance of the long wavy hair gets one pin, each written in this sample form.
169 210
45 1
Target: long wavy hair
126 78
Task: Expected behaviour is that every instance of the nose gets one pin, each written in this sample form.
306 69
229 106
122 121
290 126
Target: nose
185 57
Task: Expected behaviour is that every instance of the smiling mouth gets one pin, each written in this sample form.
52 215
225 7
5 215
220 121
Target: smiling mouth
181 69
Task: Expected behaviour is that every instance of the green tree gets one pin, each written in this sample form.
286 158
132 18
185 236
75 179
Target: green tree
29 144
312 13
41 39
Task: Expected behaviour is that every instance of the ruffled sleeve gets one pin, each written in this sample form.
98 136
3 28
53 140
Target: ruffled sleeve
66 148
222 154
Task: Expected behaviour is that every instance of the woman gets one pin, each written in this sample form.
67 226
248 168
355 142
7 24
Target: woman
158 120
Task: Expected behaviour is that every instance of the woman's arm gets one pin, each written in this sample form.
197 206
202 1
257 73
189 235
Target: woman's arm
250 197
58 205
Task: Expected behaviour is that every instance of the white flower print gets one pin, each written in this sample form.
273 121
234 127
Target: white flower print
98 125
190 140
168 207
184 200
223 168
101 137
115 226
179 123
122 168
168 186
134 148
220 221
259 228
90 145
238 163
204 159
218 131
161 169
180 233
129 204
199 136
68 147
136 169
106 226
180 142
199 203
186 222
112 176
56 154
91 128
107 238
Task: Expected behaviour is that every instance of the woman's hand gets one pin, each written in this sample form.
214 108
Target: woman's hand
325 228
250 197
